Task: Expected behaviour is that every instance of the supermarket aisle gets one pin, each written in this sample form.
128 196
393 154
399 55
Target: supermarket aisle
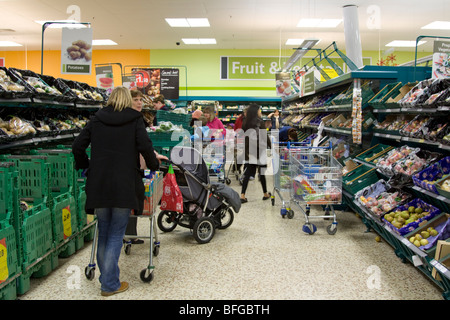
260 256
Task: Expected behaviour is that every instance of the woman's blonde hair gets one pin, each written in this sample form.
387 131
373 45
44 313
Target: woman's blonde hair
120 99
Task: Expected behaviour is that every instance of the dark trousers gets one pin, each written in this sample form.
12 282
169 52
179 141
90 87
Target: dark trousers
250 171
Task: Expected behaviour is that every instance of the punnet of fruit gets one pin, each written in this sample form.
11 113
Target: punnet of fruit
406 218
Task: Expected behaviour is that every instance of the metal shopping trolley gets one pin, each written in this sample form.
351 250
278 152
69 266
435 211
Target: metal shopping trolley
316 179
282 174
153 194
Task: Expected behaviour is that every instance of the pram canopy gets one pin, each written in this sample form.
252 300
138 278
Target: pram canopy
192 161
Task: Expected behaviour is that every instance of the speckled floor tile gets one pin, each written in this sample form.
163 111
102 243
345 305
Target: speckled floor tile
260 256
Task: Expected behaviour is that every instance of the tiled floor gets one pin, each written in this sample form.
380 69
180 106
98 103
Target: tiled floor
260 256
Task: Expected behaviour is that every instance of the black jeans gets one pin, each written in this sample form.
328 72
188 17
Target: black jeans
250 171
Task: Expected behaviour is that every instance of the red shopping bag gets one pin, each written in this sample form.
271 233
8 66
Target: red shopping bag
172 199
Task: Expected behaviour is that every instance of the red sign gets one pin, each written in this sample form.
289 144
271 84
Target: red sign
2 62
142 78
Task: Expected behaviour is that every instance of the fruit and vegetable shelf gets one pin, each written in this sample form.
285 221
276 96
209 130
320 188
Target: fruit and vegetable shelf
38 109
402 188
400 183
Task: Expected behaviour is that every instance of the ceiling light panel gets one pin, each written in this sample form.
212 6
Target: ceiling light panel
294 42
404 43
187 22
9 44
438 25
199 41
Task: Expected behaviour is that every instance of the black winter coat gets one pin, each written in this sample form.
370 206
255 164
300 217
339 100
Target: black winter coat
114 178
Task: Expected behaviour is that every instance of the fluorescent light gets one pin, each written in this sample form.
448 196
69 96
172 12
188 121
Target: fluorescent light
63 24
404 43
304 47
318 23
198 22
207 41
9 44
176 23
199 41
294 41
103 42
186 23
438 25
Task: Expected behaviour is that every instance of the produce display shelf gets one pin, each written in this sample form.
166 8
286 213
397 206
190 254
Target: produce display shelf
406 139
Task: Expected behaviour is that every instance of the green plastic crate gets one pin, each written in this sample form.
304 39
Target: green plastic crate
36 233
9 262
7 174
62 173
374 152
180 119
388 91
64 217
34 175
80 199
359 178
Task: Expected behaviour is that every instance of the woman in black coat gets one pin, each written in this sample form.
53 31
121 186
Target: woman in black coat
256 143
114 186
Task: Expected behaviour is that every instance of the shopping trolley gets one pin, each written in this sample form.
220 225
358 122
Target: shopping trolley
316 179
153 193
282 174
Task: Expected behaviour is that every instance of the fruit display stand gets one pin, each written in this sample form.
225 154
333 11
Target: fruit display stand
48 220
397 127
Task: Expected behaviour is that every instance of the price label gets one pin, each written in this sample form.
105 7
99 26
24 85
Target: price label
4 274
67 222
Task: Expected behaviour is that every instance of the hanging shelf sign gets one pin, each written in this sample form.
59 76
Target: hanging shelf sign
76 51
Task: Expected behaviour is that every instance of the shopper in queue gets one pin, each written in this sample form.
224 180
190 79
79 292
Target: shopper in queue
117 135
256 143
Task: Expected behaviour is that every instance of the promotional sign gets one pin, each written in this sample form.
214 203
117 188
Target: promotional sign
104 77
153 82
2 62
129 81
76 51
441 60
283 84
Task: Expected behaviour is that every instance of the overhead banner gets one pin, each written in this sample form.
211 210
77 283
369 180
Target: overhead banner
155 81
76 51
248 68
441 60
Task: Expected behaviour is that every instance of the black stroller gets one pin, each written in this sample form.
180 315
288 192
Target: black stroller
206 205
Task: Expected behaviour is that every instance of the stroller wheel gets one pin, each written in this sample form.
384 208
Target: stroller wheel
167 221
228 181
226 218
89 272
204 230
146 275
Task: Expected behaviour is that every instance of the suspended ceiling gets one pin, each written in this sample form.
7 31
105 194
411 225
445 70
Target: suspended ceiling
235 24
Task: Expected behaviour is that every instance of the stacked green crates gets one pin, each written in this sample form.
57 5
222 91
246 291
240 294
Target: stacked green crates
34 224
359 178
62 199
9 247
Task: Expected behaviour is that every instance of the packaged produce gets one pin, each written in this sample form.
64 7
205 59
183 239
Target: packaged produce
386 162
428 177
379 198
415 127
